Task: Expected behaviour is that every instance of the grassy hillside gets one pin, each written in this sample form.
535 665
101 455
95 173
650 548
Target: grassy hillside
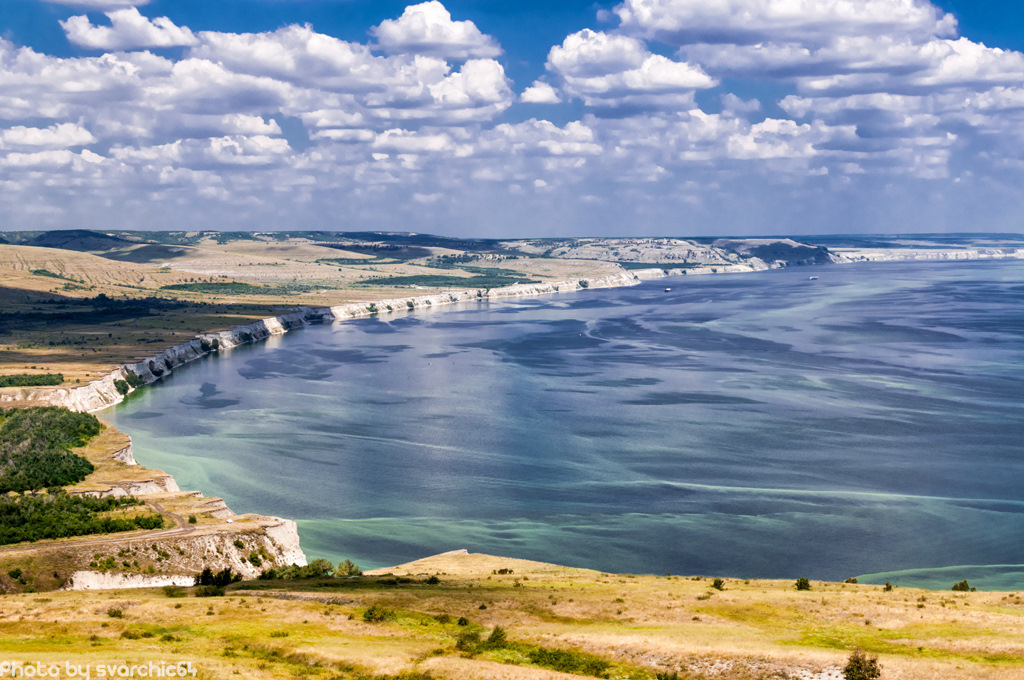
555 623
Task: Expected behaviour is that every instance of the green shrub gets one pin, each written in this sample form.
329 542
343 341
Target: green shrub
861 667
718 584
570 661
220 579
29 380
174 591
121 386
192 519
803 584
963 587
497 639
115 613
238 544
468 641
378 614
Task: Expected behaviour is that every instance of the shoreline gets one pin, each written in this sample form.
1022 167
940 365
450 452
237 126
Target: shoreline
102 393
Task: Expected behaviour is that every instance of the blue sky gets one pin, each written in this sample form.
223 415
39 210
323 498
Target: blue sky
633 117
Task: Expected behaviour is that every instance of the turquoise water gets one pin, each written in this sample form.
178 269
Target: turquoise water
757 425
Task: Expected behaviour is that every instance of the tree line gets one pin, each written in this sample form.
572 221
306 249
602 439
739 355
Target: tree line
35 447
57 514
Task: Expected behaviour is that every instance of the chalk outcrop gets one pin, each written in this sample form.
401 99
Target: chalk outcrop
100 394
272 541
911 254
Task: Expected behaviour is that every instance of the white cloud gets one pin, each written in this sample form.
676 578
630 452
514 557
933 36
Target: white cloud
614 70
427 28
540 93
734 104
128 30
234 150
242 124
751 21
405 141
414 134
59 136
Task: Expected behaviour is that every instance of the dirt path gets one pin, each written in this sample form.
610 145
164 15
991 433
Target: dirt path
182 528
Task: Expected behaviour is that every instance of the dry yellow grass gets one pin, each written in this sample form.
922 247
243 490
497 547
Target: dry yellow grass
639 624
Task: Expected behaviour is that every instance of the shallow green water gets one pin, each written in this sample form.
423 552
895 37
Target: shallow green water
749 425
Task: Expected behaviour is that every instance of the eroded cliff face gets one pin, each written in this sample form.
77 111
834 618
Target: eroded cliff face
102 393
846 255
263 543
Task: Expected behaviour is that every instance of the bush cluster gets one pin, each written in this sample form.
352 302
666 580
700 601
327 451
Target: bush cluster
318 568
55 514
29 380
862 667
212 584
35 447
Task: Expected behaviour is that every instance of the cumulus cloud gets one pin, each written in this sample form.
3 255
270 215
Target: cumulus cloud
540 93
751 21
128 30
853 96
427 28
59 136
613 70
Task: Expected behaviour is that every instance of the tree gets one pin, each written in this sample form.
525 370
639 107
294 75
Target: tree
862 667
348 568
803 583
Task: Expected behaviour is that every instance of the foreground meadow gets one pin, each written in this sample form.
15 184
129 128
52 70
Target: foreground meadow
475 616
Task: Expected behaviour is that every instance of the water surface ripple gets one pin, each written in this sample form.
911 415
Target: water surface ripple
748 425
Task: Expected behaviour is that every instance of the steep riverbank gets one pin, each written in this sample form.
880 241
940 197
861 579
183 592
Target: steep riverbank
102 393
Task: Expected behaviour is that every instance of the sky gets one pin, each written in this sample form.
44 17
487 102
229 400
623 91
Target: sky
514 119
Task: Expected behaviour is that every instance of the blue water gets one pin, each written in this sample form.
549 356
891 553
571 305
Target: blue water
757 425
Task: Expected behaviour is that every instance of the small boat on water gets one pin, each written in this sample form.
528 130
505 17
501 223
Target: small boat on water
668 290
812 278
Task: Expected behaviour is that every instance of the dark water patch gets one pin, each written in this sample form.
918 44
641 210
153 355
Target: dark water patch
678 398
569 390
143 415
625 382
